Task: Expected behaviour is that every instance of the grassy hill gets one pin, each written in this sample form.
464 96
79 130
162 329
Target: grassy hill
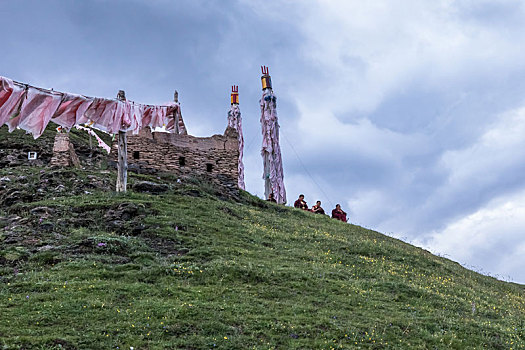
193 268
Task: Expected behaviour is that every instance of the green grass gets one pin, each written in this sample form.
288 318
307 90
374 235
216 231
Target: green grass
195 272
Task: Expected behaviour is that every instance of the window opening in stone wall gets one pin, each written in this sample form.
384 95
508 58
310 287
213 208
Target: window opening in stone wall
31 155
136 155
209 167
182 161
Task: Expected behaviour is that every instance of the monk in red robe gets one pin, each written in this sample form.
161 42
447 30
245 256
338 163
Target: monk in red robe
339 214
317 208
300 203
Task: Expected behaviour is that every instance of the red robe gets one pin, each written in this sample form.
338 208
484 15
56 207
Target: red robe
339 215
317 210
300 204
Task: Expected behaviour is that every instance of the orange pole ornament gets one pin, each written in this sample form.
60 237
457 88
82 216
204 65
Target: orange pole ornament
266 80
235 95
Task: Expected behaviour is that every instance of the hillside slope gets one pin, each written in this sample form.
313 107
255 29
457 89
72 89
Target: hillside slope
187 267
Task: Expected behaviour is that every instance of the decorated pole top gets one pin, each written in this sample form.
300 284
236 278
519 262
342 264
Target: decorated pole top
235 95
266 80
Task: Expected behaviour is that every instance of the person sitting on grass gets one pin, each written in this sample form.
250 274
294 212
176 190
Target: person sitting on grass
300 203
271 198
317 208
338 213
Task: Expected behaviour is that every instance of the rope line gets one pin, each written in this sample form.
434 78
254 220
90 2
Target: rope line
250 144
51 91
307 172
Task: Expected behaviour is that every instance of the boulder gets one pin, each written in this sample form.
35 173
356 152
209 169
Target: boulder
150 187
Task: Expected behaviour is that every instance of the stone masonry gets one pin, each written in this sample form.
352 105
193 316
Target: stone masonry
214 158
63 151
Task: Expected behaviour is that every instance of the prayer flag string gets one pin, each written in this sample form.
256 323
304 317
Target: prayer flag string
31 108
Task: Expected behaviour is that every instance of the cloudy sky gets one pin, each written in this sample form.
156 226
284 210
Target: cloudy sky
411 114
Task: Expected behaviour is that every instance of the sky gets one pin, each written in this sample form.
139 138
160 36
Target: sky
409 113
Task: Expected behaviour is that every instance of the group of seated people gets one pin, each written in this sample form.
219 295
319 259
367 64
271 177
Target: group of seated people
337 213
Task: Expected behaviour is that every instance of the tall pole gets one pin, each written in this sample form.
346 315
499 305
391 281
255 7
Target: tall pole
122 167
271 150
235 122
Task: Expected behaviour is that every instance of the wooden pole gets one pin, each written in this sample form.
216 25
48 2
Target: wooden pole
90 146
177 112
122 177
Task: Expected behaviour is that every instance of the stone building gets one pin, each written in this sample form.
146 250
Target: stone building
214 158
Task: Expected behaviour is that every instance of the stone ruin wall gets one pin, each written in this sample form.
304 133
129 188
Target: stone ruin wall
52 149
214 158
14 149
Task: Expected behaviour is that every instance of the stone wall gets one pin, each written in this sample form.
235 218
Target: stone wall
63 151
214 158
15 146
14 149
